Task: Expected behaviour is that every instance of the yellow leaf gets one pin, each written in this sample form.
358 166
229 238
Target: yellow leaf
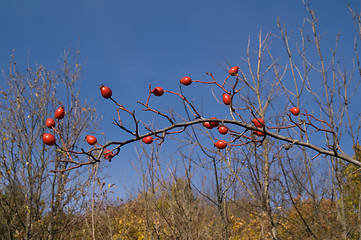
4 93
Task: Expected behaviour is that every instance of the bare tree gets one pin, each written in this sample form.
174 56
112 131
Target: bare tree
41 204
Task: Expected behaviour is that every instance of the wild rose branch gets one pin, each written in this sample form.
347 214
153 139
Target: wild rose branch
255 132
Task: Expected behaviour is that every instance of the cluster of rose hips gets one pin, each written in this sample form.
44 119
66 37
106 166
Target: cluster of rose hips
106 92
220 144
49 139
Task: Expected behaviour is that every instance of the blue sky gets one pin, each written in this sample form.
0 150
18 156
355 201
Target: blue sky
128 44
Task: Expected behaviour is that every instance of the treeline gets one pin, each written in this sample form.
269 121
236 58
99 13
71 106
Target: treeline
176 211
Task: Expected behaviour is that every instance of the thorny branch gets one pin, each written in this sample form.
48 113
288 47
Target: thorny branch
305 121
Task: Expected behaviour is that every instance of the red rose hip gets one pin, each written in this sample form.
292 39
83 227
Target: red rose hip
221 144
258 133
223 130
48 139
59 113
50 123
91 140
226 98
258 122
207 125
108 154
233 70
158 91
105 91
148 140
295 111
186 81
214 124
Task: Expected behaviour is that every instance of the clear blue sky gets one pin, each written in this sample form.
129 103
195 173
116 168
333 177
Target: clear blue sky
128 44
